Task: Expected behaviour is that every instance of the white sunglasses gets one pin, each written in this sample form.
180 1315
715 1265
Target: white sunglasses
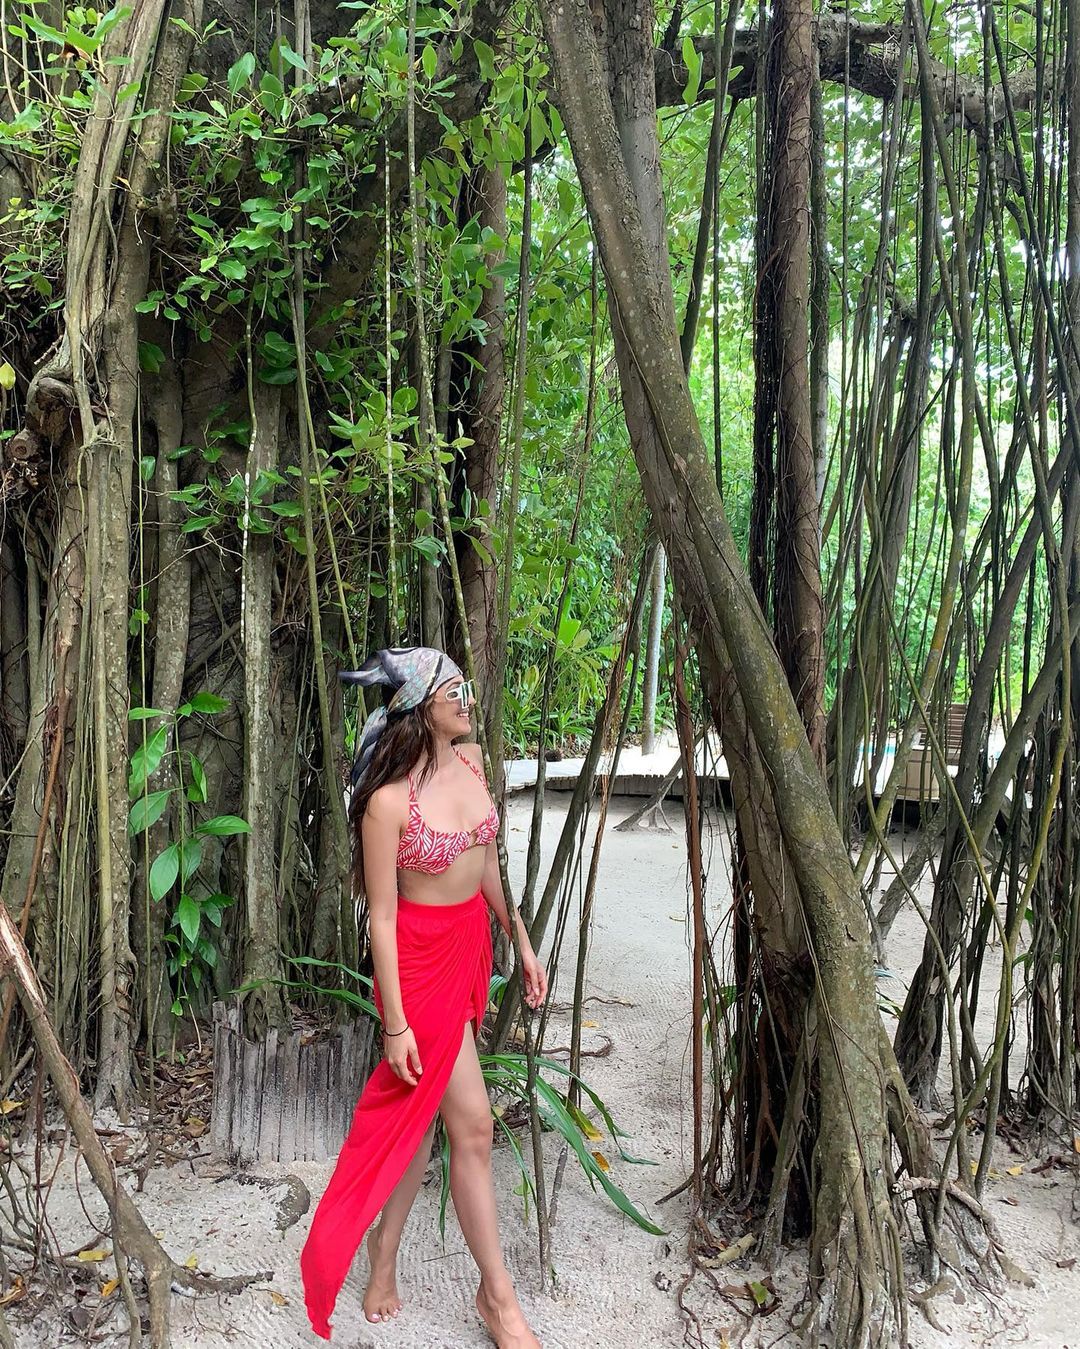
462 693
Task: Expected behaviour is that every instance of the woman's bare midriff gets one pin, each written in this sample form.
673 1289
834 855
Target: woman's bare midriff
459 882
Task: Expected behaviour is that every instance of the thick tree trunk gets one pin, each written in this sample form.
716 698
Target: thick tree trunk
265 1007
478 393
786 532
114 463
615 147
332 859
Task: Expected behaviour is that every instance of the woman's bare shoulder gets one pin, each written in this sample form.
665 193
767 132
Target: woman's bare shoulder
388 803
472 751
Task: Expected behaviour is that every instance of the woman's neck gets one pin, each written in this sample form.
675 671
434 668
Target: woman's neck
444 753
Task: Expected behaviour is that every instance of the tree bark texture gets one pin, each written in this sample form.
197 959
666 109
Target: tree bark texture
614 142
478 391
786 541
265 1007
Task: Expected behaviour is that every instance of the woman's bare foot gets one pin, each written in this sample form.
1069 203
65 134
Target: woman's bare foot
381 1301
501 1313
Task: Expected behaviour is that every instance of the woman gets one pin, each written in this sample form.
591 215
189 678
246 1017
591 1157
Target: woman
425 828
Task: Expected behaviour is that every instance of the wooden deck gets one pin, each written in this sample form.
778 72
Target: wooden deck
638 774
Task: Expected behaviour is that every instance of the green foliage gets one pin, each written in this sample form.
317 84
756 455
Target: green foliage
271 143
195 913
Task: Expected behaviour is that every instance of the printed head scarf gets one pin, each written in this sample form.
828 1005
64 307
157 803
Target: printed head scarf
413 672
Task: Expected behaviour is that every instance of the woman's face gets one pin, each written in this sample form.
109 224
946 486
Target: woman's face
451 707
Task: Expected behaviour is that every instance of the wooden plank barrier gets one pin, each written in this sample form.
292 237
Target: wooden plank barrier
289 1097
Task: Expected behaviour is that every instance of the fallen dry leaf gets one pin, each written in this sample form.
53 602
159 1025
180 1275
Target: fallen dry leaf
278 1299
109 1287
1008 1199
7 1106
1015 1170
601 1161
195 1126
1067 1264
92 1257
16 1291
192 1262
590 1025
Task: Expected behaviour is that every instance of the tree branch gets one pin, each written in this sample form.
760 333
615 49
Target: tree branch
868 54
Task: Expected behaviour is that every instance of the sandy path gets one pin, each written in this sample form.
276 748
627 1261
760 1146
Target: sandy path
616 1284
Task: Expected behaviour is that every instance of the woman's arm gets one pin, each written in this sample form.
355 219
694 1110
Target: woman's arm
379 829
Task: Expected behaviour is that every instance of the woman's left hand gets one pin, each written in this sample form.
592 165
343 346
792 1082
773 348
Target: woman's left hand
536 982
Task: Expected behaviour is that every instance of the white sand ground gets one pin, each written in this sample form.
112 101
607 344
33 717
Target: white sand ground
616 1285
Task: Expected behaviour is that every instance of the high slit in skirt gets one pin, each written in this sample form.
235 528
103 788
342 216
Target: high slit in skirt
444 968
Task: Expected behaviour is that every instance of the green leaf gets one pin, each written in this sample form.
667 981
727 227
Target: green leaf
143 713
293 58
485 58
241 72
146 759
190 856
213 906
147 810
538 127
429 547
147 465
164 871
221 826
272 376
189 917
692 59
232 268
7 376
189 86
314 961
429 59
206 702
511 1072
197 789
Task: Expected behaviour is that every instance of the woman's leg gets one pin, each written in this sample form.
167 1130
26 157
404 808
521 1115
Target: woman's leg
466 1113
381 1299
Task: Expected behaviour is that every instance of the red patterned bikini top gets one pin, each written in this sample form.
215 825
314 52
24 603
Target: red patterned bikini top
432 851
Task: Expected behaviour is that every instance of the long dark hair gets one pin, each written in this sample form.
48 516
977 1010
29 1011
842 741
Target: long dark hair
407 740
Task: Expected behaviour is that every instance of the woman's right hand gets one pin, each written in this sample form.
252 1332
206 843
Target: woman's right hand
403 1056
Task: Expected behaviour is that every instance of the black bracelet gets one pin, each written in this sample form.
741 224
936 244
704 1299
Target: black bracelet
396 1032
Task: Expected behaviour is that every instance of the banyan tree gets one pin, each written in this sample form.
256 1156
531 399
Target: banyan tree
317 320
